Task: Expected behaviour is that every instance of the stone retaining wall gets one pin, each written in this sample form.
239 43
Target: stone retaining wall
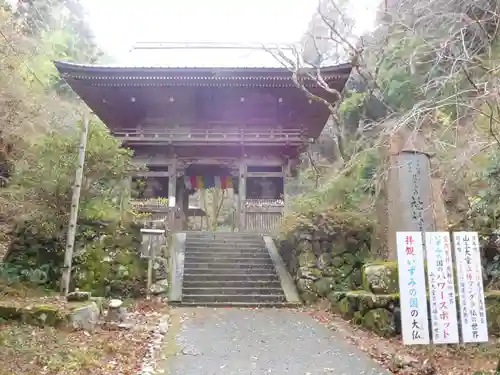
377 306
325 252
320 265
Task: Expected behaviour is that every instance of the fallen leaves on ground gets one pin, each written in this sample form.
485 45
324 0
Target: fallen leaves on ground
30 350
414 360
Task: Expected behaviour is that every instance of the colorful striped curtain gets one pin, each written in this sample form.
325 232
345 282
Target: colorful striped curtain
207 182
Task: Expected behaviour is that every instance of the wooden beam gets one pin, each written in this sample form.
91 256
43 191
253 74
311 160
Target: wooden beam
265 174
151 174
269 209
271 160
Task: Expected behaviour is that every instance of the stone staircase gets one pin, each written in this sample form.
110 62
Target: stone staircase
230 269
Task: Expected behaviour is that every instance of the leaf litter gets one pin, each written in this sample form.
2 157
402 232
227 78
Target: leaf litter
413 360
32 350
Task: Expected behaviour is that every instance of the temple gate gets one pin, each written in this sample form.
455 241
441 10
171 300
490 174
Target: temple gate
234 128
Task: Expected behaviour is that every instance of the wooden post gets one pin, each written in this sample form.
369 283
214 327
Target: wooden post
285 170
151 257
172 186
185 208
242 195
151 254
125 195
238 211
73 216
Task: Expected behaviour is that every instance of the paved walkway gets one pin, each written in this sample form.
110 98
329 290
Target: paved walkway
204 341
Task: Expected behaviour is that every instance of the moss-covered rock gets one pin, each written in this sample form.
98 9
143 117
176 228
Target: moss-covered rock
338 261
43 316
365 301
335 297
309 273
308 297
381 278
37 315
324 286
307 259
492 302
305 285
10 312
329 271
347 307
324 260
381 321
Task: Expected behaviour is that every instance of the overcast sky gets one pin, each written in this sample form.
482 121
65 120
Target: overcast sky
118 24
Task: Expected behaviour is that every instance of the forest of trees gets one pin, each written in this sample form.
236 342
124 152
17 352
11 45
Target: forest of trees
40 122
411 73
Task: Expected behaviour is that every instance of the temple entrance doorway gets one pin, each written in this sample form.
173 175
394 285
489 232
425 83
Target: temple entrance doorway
212 188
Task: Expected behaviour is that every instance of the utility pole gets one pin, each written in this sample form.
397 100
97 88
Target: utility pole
73 216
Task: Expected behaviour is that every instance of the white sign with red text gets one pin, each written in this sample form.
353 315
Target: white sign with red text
441 288
412 289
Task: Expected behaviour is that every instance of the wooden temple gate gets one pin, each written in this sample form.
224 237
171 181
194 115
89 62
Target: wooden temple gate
248 124
258 184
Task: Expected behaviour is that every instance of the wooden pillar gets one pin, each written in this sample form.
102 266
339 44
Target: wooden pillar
172 186
285 169
181 215
242 195
238 210
185 209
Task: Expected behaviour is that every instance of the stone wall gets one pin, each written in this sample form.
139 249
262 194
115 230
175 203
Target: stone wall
325 252
377 307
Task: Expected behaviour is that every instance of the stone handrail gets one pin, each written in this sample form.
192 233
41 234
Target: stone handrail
176 265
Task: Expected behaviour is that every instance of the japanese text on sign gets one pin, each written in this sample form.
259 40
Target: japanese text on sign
416 203
414 318
441 288
470 290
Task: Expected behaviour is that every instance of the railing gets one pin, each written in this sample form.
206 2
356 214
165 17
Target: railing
192 135
263 215
153 209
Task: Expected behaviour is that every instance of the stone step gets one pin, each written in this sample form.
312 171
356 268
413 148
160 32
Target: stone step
229 266
224 245
217 258
233 255
226 239
232 284
242 305
198 277
230 271
232 298
222 235
231 291
229 250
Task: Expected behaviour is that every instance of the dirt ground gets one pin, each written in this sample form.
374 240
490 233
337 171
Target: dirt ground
29 350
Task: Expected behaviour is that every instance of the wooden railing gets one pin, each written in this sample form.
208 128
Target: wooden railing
156 209
202 136
263 215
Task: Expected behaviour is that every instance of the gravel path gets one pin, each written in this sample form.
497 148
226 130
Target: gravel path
204 341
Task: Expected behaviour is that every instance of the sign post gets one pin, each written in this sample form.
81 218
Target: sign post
441 288
442 293
412 291
470 291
